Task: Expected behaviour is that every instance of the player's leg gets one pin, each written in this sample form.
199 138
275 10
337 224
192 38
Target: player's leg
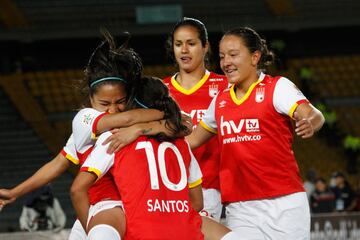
77 232
103 231
213 230
289 218
243 219
106 213
212 203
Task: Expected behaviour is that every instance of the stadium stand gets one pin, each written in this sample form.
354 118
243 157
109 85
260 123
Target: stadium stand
22 153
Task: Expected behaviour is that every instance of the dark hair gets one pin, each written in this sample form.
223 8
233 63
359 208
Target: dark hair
108 60
153 93
254 42
320 179
202 32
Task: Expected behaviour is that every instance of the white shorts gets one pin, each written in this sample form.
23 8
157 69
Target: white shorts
77 232
101 206
286 217
212 203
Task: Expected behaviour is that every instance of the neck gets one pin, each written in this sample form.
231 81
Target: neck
242 87
189 79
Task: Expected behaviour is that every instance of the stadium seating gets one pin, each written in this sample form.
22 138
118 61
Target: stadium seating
336 81
22 153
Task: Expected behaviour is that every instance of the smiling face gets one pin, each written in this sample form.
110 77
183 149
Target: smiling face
109 98
188 49
236 61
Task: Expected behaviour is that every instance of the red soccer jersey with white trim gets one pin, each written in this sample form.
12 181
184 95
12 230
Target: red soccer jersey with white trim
256 134
195 101
80 145
153 180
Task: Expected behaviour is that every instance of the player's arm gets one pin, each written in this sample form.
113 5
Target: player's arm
199 136
213 230
194 183
96 165
206 128
79 195
196 198
289 100
128 118
43 176
124 136
308 120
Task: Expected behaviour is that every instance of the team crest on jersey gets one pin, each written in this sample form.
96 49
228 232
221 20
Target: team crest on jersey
213 90
87 118
260 94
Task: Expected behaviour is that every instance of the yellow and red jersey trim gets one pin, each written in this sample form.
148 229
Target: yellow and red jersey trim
196 183
198 85
247 94
94 126
91 169
69 157
293 108
207 127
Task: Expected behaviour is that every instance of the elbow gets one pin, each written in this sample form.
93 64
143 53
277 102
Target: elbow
320 122
75 190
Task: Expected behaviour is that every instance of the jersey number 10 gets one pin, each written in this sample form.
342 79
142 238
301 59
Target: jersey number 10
154 178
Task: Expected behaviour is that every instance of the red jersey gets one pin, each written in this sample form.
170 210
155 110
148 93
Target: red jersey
80 145
153 180
195 101
256 134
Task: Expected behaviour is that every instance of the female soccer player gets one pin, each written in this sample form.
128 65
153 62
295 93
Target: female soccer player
259 176
154 175
110 72
193 87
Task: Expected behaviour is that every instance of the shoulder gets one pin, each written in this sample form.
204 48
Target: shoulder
167 80
86 115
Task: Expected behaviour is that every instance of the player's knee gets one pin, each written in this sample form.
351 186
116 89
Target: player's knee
231 236
103 231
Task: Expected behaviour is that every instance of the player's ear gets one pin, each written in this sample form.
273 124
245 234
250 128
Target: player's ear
255 58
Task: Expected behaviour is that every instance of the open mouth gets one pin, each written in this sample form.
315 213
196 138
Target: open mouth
185 59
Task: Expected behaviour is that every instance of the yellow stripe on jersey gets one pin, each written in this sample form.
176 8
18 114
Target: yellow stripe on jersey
178 87
247 94
94 170
196 183
93 136
72 159
207 127
292 110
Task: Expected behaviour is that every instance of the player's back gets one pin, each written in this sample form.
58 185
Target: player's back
152 178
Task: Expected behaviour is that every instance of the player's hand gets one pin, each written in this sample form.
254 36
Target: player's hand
187 121
6 197
120 138
303 128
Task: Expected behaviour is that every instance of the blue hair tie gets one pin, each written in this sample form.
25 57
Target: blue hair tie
105 79
139 103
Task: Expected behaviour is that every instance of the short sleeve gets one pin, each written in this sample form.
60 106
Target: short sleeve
84 128
99 161
208 121
287 97
195 174
69 151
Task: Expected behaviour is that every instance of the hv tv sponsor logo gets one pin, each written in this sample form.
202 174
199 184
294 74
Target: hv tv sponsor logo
247 125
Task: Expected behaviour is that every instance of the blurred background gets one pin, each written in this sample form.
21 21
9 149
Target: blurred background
45 44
